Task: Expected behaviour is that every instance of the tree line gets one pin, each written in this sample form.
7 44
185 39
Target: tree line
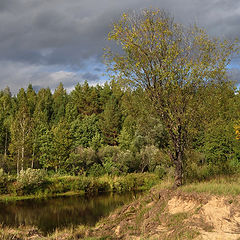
111 129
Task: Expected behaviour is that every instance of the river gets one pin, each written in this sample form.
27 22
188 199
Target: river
47 214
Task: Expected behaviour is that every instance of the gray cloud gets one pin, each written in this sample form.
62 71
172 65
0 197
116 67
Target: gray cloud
91 77
19 75
38 35
68 32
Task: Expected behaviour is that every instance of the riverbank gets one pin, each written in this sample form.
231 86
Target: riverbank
13 198
162 213
77 185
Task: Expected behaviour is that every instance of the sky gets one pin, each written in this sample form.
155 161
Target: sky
45 42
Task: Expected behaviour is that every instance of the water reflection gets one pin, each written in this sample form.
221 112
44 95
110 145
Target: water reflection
51 213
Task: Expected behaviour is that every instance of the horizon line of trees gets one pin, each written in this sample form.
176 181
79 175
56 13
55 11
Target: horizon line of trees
108 129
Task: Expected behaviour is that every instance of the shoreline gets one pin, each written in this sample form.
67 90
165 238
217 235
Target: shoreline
70 185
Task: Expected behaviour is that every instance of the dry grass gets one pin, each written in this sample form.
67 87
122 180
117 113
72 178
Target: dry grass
225 186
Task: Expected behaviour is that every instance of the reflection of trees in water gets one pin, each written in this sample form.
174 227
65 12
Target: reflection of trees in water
48 214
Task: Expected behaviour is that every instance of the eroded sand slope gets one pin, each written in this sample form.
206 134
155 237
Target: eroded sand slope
170 214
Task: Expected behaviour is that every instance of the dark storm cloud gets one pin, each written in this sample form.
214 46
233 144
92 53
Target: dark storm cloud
52 32
68 32
90 77
41 34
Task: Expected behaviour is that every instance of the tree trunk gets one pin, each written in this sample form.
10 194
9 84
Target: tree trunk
33 155
177 155
18 162
177 159
5 147
5 151
22 157
178 180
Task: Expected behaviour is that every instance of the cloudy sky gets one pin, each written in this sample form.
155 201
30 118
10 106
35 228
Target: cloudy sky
44 42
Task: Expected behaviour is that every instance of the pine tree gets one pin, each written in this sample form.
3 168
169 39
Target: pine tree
59 103
31 98
45 103
110 122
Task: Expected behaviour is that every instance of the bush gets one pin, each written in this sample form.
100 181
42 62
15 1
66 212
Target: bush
134 181
75 163
150 157
28 181
90 185
116 161
108 155
61 184
80 160
126 161
5 182
198 168
108 152
96 170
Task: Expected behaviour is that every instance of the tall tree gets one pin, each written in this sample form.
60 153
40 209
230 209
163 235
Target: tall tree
62 142
45 103
31 98
59 103
5 113
110 122
84 130
171 62
21 129
86 99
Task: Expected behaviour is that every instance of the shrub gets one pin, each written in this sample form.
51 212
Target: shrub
61 184
31 177
127 162
96 170
5 182
134 181
80 160
28 181
150 157
116 161
108 152
75 163
108 155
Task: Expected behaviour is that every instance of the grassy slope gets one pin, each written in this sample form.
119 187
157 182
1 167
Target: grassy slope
218 186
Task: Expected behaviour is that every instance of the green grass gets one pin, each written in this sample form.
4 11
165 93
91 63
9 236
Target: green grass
13 198
220 186
80 185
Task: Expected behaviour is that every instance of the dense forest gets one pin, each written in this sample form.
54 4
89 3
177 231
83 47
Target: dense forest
97 130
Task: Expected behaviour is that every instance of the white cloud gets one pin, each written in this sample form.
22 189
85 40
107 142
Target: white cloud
19 75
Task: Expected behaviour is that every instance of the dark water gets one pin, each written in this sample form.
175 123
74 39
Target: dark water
48 214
